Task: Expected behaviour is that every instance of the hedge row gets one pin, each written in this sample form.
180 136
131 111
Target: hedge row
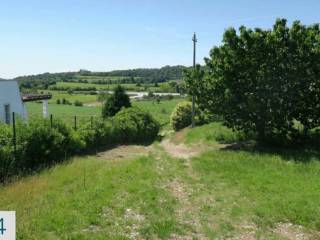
39 145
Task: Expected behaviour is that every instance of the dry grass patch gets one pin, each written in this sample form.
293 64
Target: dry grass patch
179 151
291 231
125 152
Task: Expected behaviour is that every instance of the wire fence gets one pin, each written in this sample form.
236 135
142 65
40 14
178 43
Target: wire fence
77 122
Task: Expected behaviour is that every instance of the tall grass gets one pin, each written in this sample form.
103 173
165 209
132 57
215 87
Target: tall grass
116 201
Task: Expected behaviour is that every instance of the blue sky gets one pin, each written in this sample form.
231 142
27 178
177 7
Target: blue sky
65 35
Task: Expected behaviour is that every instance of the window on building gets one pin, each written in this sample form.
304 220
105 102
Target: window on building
7 113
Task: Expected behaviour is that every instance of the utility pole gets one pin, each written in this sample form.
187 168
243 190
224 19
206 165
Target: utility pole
194 39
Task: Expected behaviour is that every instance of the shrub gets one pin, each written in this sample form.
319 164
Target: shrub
135 125
6 152
101 135
77 103
115 102
7 165
150 94
43 146
181 116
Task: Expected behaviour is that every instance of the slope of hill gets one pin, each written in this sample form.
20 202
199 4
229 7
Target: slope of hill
133 76
188 187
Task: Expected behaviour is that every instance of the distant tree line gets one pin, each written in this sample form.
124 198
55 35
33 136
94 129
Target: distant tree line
43 81
134 76
147 74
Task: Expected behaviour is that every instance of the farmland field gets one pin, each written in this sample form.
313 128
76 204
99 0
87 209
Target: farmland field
162 87
82 97
161 111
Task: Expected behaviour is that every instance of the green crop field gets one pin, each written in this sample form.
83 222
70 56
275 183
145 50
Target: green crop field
162 87
82 97
99 78
62 111
161 111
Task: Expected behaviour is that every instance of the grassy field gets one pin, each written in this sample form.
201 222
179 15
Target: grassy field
161 111
84 98
162 87
60 204
62 111
222 192
100 78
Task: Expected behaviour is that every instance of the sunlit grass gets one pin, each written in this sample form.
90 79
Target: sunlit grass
89 198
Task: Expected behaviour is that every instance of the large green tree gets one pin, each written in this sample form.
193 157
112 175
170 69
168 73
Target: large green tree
115 102
264 80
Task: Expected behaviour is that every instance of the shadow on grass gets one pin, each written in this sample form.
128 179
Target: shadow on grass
301 150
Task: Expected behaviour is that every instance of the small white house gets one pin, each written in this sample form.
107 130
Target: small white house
10 101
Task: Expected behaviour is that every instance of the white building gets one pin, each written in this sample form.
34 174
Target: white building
10 101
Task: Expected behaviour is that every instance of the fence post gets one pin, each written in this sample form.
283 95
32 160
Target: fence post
14 139
75 123
51 120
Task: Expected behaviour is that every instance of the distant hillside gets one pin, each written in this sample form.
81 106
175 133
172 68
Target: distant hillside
149 74
141 75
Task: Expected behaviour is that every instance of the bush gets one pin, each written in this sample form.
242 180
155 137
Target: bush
181 116
115 102
41 146
77 103
7 165
6 152
135 125
101 135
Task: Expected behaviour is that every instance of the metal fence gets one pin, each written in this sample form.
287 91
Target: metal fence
77 122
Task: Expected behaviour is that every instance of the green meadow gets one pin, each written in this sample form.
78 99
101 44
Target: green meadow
161 111
161 87
213 190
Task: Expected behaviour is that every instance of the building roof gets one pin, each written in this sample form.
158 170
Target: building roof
35 97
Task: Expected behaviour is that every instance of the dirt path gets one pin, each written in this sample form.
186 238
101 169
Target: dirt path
184 185
179 150
125 152
187 213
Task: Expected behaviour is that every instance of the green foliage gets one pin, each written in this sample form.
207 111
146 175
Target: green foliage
77 103
135 125
213 134
41 145
264 80
181 116
146 75
101 135
128 77
115 102
6 152
102 97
